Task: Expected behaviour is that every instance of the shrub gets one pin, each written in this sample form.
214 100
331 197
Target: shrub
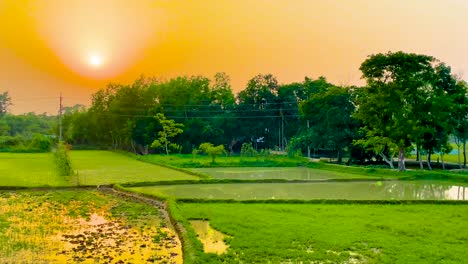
211 150
62 160
248 150
41 143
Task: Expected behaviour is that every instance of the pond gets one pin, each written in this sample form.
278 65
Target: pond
363 190
254 173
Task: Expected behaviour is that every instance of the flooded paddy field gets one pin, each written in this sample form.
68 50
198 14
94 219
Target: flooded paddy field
288 173
327 233
83 226
359 190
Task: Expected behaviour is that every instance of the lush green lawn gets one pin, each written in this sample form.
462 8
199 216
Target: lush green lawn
81 227
203 161
374 190
106 167
348 233
288 173
29 169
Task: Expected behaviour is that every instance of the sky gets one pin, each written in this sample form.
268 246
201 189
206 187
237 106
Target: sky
75 47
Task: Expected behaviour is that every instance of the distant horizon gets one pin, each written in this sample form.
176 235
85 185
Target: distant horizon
76 47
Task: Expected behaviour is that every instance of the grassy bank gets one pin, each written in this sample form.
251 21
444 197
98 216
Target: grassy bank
348 233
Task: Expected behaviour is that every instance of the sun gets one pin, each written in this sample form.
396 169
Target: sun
95 60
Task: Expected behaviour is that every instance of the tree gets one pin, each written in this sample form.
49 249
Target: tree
211 150
386 106
260 113
461 128
330 116
170 129
5 102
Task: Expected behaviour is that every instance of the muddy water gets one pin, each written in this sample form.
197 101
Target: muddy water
111 241
212 240
41 229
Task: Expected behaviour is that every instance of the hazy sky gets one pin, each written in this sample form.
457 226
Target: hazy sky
77 46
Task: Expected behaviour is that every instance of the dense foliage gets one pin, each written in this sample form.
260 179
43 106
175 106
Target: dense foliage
410 102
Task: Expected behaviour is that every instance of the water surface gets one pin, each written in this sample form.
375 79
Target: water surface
294 173
368 190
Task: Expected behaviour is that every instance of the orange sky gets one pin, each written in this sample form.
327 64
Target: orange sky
45 45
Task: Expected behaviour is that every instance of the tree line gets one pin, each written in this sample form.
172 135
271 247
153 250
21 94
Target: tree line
410 103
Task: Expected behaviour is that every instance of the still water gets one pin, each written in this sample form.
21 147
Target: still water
294 173
369 190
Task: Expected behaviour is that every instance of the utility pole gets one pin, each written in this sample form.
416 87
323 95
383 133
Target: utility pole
308 146
60 119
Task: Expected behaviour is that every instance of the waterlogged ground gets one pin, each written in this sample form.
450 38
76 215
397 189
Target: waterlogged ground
84 227
294 173
212 239
368 190
345 233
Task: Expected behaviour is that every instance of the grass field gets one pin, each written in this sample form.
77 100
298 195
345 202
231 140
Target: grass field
349 233
288 173
203 161
374 190
106 167
29 169
92 167
82 226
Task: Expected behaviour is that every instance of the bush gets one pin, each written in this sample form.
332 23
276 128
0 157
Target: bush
247 150
40 142
62 160
211 150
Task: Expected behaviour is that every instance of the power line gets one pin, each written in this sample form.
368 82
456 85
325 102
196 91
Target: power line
201 117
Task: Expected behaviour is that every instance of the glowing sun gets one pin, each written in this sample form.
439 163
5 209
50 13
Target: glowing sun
95 60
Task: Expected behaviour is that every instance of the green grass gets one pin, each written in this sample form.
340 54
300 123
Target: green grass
319 233
29 170
203 161
360 190
106 167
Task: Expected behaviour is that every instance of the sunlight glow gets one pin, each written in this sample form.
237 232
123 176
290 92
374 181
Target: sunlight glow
95 60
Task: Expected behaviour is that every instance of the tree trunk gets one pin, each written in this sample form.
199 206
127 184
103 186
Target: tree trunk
389 162
442 159
459 158
339 156
418 150
464 153
429 160
401 159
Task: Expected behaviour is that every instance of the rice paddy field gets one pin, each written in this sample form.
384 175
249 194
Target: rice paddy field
287 173
371 190
327 233
91 167
256 213
29 169
106 167
81 226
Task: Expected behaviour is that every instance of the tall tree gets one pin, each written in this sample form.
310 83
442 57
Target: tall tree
330 116
386 105
5 102
169 130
